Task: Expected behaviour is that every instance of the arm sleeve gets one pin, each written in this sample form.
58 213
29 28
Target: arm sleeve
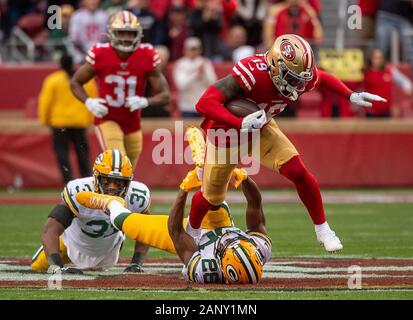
210 105
45 102
62 214
328 81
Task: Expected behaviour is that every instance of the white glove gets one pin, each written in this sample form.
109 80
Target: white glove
363 98
254 121
95 105
136 103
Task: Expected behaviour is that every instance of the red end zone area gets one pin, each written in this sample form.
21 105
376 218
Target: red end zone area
279 274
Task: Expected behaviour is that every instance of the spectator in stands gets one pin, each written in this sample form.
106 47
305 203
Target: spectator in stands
205 22
250 14
87 26
161 7
152 29
14 10
192 74
237 39
242 52
67 117
177 31
113 6
379 78
293 16
395 15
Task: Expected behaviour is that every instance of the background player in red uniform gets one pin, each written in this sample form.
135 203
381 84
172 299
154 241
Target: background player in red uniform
271 80
122 68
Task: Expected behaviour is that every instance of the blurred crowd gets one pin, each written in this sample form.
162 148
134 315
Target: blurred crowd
223 26
194 33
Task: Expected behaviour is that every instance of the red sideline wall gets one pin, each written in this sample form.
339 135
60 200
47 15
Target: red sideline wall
364 154
27 81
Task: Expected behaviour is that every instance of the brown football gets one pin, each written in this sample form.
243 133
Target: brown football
241 107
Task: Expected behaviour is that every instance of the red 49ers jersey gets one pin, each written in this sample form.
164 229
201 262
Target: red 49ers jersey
118 79
252 75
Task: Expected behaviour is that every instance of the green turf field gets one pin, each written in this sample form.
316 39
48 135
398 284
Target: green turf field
366 230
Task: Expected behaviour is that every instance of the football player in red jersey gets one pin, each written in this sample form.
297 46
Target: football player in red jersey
122 68
271 80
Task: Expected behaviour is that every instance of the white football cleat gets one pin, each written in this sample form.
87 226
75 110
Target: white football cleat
328 238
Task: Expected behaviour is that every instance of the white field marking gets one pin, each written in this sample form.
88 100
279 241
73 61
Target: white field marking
289 275
189 290
276 268
340 256
280 270
18 276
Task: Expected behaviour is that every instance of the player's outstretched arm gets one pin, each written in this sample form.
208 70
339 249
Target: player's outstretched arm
362 99
184 244
255 218
59 219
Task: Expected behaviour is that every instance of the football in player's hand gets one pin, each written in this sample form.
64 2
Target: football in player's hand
241 107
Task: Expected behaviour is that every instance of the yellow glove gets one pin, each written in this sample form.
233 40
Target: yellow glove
239 175
191 181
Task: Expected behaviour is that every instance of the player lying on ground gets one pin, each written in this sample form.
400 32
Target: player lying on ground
76 234
224 253
122 68
271 81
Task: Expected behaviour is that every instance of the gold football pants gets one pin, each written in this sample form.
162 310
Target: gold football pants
275 150
111 136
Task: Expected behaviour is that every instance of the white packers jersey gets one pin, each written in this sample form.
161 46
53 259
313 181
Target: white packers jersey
91 231
204 267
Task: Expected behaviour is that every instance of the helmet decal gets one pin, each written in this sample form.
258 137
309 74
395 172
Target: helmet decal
232 274
287 50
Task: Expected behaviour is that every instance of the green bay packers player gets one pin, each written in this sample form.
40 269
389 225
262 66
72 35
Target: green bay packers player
223 253
122 68
76 234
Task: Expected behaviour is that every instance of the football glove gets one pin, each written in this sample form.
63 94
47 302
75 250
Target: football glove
254 121
134 268
239 175
363 98
136 103
97 107
191 181
69 270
